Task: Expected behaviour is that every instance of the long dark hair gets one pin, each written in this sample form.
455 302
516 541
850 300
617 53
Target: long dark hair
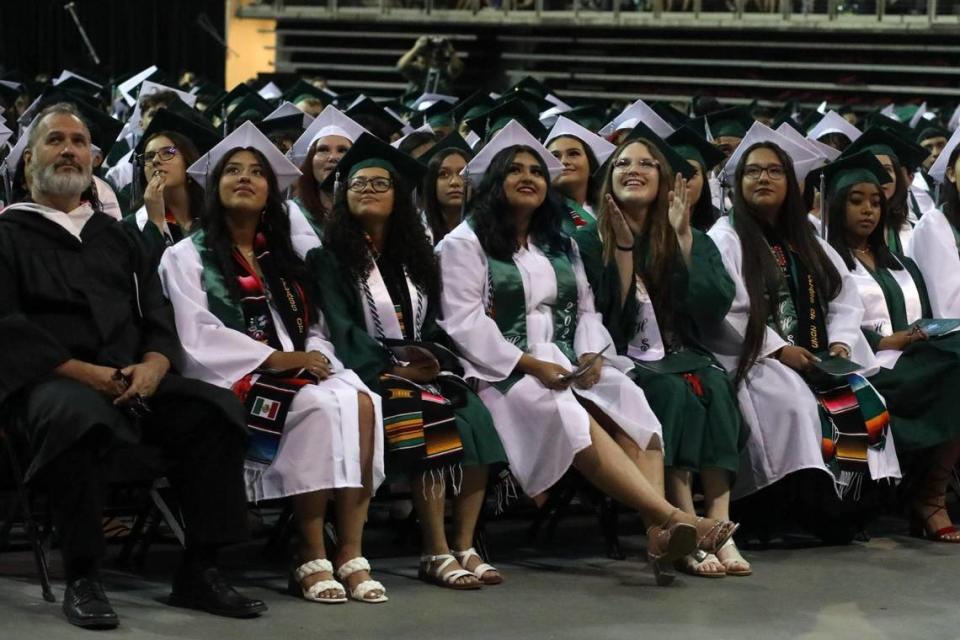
275 224
406 243
898 206
490 212
704 214
837 227
656 248
760 272
188 151
593 167
949 194
431 205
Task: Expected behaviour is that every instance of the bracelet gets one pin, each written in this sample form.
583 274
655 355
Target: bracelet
622 248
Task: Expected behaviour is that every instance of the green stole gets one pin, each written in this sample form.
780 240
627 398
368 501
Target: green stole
577 217
507 305
317 229
219 300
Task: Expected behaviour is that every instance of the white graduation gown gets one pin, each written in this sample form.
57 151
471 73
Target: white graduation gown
541 429
320 445
778 408
935 252
302 235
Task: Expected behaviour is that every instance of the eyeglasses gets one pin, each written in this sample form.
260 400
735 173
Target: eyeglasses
379 185
164 153
775 172
643 166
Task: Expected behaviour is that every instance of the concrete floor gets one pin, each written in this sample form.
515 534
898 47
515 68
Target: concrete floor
890 587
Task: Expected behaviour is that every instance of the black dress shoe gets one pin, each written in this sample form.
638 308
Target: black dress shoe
86 605
206 590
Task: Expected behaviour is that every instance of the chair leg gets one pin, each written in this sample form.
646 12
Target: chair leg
610 527
32 532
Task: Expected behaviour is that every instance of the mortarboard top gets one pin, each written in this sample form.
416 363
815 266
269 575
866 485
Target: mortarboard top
511 135
330 122
128 85
288 109
590 117
225 100
439 113
103 129
638 112
677 162
847 170
452 141
291 126
880 121
811 120
939 169
787 119
364 106
690 145
473 105
10 91
251 107
201 134
883 142
833 122
370 151
733 122
825 151
498 117
425 128
269 91
804 160
530 85
673 116
533 101
565 127
426 100
302 90
928 131
246 135
75 82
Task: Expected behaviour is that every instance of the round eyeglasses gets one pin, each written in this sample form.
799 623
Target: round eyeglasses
379 185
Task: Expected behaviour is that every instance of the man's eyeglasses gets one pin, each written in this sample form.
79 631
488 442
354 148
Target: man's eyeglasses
164 153
379 185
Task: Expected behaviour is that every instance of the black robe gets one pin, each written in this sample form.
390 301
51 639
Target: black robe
99 301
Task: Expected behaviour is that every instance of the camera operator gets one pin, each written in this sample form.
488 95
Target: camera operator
430 66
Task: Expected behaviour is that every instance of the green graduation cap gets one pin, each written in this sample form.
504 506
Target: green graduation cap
370 109
226 100
474 105
452 141
877 120
733 122
370 151
439 114
201 134
250 107
883 142
498 117
926 131
532 101
589 116
692 146
530 85
677 162
302 90
852 169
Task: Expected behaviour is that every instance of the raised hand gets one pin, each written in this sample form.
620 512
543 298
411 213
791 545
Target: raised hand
679 212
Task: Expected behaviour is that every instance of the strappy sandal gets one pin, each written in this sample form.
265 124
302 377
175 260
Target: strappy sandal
736 565
693 564
918 525
667 543
312 593
448 580
481 570
717 536
362 590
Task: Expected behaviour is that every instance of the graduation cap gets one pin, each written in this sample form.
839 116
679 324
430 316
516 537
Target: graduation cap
511 135
370 151
302 90
426 100
251 107
828 153
103 129
928 131
231 97
638 112
127 86
690 145
246 135
452 141
590 117
565 127
269 91
804 160
10 91
853 169
330 122
75 82
499 116
883 142
880 121
288 126
674 159
201 134
288 109
426 128
476 104
673 116
939 169
833 122
530 85
438 114
811 120
532 101
365 107
733 122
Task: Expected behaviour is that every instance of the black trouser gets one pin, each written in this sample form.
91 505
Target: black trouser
204 454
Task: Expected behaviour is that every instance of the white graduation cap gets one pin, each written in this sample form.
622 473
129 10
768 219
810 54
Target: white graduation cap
822 107
426 128
939 169
246 135
269 91
473 139
289 109
148 88
890 111
509 136
557 102
638 112
66 75
427 100
804 160
549 117
567 127
132 83
330 122
921 111
826 151
833 122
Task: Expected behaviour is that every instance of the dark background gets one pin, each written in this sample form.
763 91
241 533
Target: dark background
128 35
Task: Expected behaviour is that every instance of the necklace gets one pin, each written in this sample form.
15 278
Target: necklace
867 250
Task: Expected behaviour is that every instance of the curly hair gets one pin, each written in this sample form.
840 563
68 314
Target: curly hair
274 223
760 271
490 212
406 243
188 151
431 205
837 228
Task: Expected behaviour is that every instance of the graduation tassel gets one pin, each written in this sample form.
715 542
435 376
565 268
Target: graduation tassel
337 185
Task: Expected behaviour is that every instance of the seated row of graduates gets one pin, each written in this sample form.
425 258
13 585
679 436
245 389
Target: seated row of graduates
522 304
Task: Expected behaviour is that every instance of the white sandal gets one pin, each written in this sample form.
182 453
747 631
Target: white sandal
312 593
730 548
438 577
463 557
359 592
692 564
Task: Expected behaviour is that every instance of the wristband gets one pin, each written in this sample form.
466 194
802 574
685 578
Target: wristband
622 248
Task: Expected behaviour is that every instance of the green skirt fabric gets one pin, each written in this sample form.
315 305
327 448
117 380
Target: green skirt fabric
699 431
923 394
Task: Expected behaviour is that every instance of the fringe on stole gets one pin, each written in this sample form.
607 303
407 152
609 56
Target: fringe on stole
505 490
437 480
